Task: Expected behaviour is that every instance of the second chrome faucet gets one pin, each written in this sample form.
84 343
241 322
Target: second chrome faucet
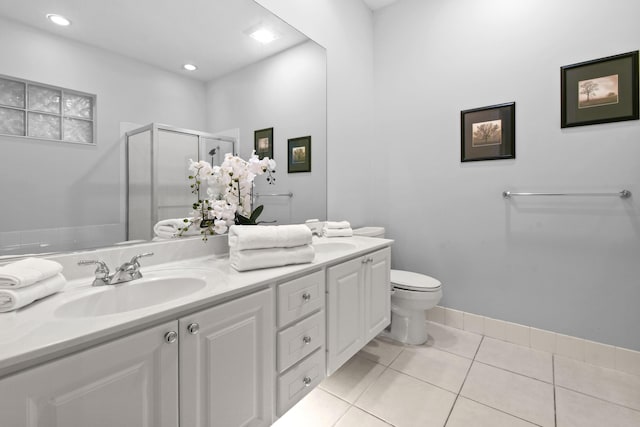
125 273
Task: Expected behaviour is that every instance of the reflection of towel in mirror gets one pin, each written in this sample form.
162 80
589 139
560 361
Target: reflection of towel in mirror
243 237
13 299
337 232
169 228
252 259
27 272
337 224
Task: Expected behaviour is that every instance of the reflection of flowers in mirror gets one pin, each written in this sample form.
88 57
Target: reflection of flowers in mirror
229 188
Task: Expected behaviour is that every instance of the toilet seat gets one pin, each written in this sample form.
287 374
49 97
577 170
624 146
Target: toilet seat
415 282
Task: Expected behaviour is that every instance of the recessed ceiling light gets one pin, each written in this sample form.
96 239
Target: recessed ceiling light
189 67
58 20
263 35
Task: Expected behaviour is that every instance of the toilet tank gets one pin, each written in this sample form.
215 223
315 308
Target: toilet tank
369 232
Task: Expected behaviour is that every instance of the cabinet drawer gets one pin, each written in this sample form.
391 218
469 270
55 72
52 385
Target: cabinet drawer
300 340
300 297
299 381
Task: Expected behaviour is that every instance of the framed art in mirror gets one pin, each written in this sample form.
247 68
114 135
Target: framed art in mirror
600 91
299 158
488 133
263 143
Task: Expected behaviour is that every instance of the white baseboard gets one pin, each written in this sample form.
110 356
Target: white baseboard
594 353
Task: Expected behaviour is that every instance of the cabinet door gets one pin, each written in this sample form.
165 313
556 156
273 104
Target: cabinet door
227 366
345 312
132 381
377 293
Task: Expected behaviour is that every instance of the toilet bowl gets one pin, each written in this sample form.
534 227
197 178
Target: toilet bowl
412 294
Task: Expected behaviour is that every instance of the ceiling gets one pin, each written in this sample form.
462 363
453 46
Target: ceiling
378 4
165 33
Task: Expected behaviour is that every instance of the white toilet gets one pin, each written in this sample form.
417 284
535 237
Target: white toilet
412 294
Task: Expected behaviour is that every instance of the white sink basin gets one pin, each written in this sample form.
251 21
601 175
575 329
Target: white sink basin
140 293
326 247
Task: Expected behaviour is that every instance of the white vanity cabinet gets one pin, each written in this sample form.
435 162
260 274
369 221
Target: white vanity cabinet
226 364
132 381
358 305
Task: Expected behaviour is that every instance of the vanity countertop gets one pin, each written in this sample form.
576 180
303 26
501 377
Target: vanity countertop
38 333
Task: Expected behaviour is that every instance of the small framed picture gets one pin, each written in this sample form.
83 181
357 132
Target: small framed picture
600 91
263 143
299 154
488 133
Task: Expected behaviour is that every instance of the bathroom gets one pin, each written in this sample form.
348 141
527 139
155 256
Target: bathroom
397 78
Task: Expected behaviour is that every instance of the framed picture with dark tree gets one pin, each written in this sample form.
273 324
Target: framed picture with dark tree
488 133
299 154
600 91
263 143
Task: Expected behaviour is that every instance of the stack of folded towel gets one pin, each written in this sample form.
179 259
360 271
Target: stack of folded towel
28 280
337 229
262 246
169 228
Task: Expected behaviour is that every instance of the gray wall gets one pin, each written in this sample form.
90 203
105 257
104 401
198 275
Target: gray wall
565 265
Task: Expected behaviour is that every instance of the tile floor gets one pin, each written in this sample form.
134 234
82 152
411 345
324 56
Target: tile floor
461 379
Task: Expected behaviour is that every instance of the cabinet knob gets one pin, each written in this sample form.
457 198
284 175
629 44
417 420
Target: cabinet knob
306 339
306 296
306 381
193 328
171 337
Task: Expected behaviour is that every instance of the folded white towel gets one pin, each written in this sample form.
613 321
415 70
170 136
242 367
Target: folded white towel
252 259
337 224
27 272
243 237
337 232
169 228
13 299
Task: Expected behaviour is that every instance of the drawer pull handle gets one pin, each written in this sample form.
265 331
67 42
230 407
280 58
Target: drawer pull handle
306 339
306 297
306 381
171 337
193 328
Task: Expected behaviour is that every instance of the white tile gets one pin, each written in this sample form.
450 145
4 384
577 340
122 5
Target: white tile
352 378
436 314
434 366
517 334
599 354
453 318
357 417
453 340
606 384
473 323
515 358
381 350
569 346
404 401
494 328
317 409
521 396
543 340
627 360
578 410
468 413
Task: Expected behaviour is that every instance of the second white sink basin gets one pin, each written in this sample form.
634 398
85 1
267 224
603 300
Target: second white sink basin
140 293
325 247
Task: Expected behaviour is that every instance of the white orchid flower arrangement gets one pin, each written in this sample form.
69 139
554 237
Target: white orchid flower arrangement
229 193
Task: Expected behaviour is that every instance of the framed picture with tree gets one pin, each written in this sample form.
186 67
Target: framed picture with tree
488 133
600 91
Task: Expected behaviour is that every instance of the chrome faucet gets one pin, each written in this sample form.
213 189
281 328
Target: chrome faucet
125 273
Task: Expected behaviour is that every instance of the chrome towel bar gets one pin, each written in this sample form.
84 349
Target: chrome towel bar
623 194
289 194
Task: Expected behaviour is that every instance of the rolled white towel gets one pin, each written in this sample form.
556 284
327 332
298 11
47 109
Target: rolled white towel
169 228
253 259
27 272
337 232
242 237
337 224
13 299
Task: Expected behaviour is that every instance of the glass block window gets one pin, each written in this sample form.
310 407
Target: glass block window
35 110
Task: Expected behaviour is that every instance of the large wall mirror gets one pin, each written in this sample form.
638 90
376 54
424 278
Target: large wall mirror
64 196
